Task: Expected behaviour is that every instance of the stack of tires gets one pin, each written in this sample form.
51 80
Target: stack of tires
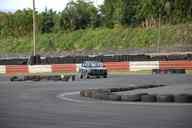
109 94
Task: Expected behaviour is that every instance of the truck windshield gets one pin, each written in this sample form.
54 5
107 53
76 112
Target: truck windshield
92 65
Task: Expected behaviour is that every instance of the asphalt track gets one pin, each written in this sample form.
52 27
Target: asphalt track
36 105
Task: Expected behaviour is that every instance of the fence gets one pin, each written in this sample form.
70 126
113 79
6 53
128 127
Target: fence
79 59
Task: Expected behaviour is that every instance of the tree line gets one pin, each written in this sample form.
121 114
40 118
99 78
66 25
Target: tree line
82 14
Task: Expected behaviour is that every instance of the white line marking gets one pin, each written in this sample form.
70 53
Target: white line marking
63 96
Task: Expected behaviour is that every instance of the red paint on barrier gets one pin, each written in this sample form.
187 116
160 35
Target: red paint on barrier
16 69
175 64
69 68
111 66
115 66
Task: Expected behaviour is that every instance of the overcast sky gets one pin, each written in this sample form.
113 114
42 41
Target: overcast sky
12 5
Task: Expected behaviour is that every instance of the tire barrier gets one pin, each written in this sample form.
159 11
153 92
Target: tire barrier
159 58
183 98
2 69
40 68
165 98
95 93
134 97
180 71
114 97
47 78
175 64
144 65
177 57
109 94
148 98
101 96
78 67
112 66
168 71
156 67
69 68
14 61
17 69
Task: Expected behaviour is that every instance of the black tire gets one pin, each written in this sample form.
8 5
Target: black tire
115 90
93 93
104 91
165 98
106 97
82 93
152 86
148 86
87 93
133 98
37 79
99 96
155 71
114 97
143 87
66 78
136 87
73 77
129 98
14 78
26 78
81 76
148 98
183 98
129 88
105 76
175 71
97 76
123 89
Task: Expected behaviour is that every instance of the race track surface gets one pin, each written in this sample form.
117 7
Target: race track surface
35 105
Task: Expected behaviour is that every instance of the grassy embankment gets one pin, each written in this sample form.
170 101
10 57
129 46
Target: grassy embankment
101 39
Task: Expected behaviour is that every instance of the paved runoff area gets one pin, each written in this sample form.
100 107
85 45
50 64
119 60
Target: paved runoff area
36 105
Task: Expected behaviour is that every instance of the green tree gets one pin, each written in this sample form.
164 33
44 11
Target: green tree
16 24
78 15
181 10
47 21
129 10
112 11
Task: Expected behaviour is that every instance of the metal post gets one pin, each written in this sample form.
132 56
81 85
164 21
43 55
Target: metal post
34 30
159 38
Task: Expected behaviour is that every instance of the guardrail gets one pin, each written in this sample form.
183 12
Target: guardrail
111 66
